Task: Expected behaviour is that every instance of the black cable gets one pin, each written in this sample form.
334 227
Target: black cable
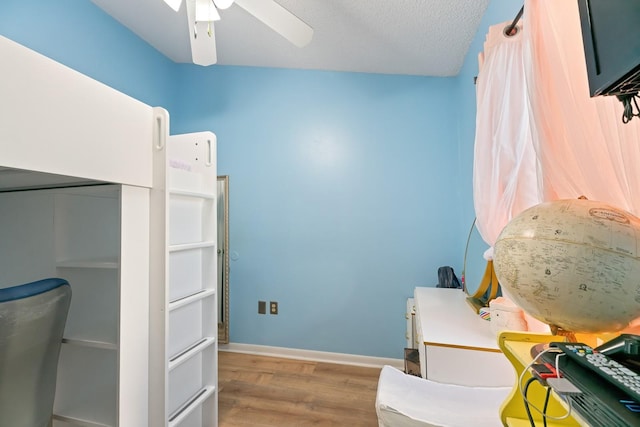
544 408
526 401
627 100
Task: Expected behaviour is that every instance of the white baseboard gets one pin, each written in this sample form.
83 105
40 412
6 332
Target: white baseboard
316 356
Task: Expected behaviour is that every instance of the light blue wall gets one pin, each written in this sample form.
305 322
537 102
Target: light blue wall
343 198
83 37
347 190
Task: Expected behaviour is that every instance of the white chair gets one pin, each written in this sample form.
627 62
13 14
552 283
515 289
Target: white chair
408 401
32 320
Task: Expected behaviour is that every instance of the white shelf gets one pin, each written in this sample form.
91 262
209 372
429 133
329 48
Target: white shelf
77 422
101 245
89 263
90 343
176 361
196 401
196 194
205 293
190 246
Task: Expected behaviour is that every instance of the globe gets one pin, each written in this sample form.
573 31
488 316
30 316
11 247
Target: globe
572 264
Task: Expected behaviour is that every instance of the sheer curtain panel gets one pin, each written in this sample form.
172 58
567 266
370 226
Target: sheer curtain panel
504 174
582 146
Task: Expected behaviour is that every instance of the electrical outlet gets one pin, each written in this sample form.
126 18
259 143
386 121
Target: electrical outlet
273 307
262 307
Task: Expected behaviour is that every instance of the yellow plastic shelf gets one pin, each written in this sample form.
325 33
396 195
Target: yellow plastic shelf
517 347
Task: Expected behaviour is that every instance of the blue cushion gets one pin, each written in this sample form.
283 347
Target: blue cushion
30 289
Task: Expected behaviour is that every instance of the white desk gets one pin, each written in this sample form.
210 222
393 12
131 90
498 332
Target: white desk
456 346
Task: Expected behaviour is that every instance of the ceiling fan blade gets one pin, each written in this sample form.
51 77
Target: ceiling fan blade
174 4
279 19
201 37
206 11
203 46
223 4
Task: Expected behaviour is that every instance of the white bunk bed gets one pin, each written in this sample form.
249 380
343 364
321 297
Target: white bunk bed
87 193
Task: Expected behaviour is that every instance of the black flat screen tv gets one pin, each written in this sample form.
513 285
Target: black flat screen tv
611 37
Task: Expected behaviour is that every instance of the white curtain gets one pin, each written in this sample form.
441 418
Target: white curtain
539 135
505 178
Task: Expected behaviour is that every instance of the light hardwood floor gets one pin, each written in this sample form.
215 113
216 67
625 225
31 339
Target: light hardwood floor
264 391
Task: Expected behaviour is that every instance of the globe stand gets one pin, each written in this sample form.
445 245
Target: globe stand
556 331
568 335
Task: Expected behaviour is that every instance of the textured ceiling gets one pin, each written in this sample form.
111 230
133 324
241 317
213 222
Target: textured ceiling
414 37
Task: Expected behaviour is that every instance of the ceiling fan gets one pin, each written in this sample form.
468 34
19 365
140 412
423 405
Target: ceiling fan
202 13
